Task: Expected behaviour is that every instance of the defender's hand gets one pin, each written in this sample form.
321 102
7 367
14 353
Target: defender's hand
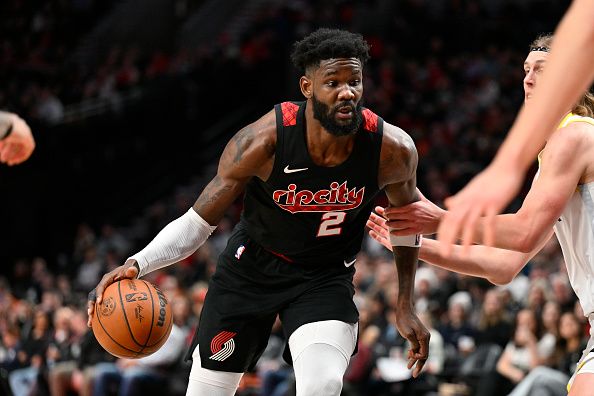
421 217
126 271
411 328
378 229
486 195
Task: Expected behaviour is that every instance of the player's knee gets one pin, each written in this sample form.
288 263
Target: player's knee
320 379
325 383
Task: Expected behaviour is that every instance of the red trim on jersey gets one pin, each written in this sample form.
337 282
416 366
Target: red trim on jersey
279 255
289 110
369 120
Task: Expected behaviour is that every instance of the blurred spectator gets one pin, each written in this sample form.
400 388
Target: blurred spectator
111 240
89 270
31 355
552 381
9 355
551 314
494 326
520 356
76 371
457 332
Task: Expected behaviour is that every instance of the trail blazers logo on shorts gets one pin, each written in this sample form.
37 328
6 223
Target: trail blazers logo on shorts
222 346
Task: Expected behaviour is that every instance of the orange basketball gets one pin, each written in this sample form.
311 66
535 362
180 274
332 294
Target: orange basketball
133 320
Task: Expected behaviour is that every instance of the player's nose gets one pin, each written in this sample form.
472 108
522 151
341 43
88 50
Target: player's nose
529 79
346 93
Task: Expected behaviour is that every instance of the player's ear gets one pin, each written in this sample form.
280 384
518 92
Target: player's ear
306 85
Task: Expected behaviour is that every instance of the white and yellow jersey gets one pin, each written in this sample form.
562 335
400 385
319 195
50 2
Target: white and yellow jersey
575 232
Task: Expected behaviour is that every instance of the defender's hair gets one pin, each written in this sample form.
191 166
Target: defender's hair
585 106
328 44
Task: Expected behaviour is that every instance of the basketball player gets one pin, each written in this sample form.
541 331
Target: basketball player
16 140
310 171
560 199
570 72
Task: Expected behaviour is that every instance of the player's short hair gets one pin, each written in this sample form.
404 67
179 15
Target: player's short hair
542 43
328 44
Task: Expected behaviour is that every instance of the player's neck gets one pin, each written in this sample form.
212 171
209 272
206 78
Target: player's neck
326 149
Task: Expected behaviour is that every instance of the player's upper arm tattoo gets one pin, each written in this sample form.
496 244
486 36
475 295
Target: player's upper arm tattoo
241 141
245 156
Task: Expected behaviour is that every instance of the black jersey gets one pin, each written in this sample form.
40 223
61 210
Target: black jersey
312 214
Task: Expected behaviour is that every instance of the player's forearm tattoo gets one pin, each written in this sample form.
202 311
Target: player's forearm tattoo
211 194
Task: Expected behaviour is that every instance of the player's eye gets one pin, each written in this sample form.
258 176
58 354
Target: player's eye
331 83
354 83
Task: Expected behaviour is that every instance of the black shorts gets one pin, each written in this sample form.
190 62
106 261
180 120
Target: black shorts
250 287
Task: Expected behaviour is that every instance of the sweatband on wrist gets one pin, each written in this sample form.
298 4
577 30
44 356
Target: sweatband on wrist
178 240
409 240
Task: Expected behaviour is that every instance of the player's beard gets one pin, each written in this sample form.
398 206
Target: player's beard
327 117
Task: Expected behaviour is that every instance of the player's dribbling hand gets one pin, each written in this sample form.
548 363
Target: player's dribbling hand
126 271
486 195
411 328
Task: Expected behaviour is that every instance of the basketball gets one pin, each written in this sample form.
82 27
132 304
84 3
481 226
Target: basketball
133 320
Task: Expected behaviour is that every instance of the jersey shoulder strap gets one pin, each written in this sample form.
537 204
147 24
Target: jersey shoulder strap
571 118
371 121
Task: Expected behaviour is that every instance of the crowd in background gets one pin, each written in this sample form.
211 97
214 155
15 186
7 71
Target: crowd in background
448 72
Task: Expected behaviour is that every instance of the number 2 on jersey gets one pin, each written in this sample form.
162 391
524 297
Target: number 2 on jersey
330 223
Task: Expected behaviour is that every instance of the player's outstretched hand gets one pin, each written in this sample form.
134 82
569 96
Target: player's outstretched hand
486 195
421 217
19 145
126 271
411 328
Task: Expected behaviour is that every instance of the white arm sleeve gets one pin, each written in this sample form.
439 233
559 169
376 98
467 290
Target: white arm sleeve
179 239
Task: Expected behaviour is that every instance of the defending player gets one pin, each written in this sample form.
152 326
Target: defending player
569 73
310 171
561 198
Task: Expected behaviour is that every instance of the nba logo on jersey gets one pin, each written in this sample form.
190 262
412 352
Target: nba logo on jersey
239 252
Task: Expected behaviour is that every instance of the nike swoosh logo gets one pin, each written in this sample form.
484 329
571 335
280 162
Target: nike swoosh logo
350 263
287 170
